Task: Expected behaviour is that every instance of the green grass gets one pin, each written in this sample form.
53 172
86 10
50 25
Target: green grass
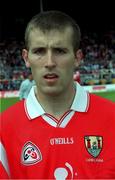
6 102
109 95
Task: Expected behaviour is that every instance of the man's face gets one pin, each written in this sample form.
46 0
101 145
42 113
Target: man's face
51 59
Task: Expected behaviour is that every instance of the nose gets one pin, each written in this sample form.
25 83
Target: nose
50 60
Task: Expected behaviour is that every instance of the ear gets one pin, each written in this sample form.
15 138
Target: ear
78 57
25 57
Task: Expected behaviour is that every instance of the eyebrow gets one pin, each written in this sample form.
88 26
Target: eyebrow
52 46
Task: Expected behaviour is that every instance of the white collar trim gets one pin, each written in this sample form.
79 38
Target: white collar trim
34 109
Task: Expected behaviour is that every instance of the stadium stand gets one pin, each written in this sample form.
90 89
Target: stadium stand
97 61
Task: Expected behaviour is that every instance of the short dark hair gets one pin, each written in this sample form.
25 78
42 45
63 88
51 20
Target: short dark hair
50 20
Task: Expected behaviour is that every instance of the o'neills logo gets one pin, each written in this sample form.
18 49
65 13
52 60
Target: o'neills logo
58 141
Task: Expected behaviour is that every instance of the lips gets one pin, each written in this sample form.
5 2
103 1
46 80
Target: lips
51 76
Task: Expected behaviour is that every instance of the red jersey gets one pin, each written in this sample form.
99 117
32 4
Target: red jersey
81 145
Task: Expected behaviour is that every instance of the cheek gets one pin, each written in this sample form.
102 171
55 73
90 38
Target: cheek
36 71
35 63
33 60
68 65
67 72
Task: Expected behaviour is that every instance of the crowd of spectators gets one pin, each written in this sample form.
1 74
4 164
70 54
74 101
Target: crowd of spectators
12 67
97 61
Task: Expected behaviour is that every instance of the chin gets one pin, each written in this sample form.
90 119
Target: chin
52 91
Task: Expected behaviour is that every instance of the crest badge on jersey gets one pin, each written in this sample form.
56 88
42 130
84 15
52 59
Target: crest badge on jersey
30 154
93 145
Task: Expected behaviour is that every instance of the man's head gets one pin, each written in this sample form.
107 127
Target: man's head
30 77
52 39
53 20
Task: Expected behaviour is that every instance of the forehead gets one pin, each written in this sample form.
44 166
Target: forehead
51 38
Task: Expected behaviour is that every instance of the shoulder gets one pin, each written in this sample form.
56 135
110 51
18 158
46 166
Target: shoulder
102 104
25 81
100 99
102 111
12 113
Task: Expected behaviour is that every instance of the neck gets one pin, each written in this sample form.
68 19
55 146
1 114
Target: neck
57 105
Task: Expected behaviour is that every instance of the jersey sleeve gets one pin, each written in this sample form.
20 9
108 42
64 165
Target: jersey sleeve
4 168
3 173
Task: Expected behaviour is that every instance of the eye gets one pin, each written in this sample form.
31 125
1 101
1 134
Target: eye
39 51
59 51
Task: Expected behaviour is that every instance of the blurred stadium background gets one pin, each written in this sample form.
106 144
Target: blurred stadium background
97 50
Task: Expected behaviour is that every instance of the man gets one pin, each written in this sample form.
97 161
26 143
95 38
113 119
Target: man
60 131
25 86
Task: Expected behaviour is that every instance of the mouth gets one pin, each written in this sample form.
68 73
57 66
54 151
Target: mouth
51 77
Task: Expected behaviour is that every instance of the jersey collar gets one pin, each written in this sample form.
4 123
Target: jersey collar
34 109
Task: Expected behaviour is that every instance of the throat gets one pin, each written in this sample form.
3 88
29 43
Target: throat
57 106
56 109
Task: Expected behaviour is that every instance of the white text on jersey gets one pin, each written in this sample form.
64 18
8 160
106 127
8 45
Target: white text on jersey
59 141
